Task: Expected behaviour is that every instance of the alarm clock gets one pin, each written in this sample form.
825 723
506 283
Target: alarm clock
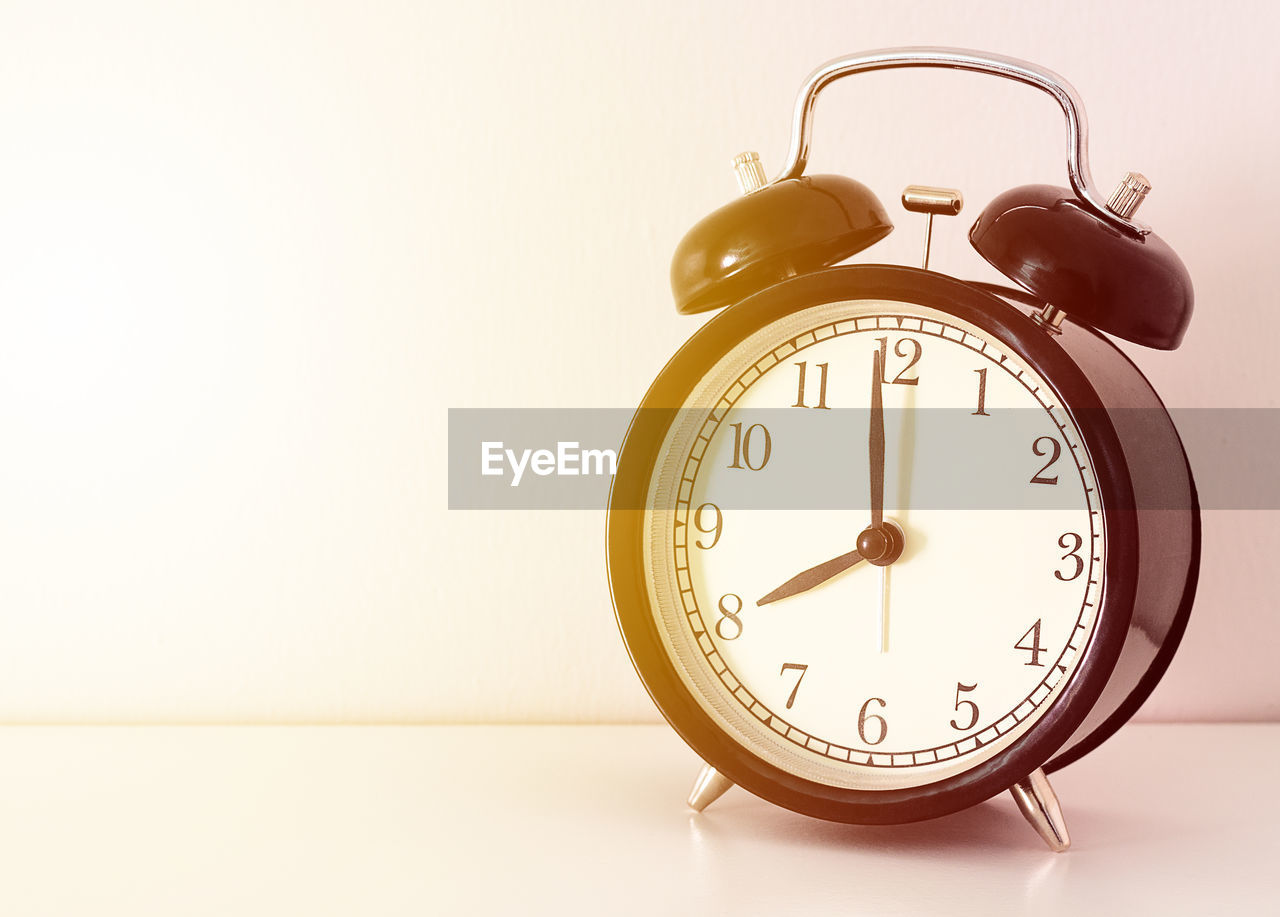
884 543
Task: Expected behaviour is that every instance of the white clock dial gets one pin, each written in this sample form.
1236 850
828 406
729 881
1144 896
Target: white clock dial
878 677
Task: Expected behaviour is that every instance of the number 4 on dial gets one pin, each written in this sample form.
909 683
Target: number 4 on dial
1034 648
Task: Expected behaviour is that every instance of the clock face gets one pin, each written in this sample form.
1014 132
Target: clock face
843 672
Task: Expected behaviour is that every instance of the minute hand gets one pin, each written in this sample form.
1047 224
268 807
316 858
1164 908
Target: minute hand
875 443
814 576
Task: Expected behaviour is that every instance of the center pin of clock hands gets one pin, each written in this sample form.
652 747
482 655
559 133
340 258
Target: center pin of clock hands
881 543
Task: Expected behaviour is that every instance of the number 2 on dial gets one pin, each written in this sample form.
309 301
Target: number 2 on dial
1054 451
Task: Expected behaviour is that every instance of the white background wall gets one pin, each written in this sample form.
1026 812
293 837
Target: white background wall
251 252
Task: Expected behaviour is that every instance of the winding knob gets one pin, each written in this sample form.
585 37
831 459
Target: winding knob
1129 194
749 172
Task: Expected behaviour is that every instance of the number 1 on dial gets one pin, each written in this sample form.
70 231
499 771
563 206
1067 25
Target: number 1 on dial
982 393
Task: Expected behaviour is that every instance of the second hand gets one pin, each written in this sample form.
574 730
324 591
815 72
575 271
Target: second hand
884 609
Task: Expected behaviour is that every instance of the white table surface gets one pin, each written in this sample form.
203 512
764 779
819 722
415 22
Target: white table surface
588 819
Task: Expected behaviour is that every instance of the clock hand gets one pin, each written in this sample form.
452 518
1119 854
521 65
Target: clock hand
875 443
814 576
884 609
880 543
877 541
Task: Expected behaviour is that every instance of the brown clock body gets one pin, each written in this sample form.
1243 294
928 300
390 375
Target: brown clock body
1167 516
1148 498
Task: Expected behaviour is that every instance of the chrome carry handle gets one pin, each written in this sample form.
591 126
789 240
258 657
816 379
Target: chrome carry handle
1010 68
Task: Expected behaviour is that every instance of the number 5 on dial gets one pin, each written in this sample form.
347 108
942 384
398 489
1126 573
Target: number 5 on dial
973 708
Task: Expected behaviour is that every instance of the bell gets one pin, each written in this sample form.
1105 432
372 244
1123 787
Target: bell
1124 283
773 232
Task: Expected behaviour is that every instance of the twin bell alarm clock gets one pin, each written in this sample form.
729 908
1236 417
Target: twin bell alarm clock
884 543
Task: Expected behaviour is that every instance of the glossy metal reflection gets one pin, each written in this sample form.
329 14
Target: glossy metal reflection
933 202
709 787
1038 802
1010 68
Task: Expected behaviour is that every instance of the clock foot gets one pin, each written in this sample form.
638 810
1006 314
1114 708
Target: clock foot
709 787
1039 804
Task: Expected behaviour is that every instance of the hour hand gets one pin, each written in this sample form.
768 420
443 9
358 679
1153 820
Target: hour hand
814 576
